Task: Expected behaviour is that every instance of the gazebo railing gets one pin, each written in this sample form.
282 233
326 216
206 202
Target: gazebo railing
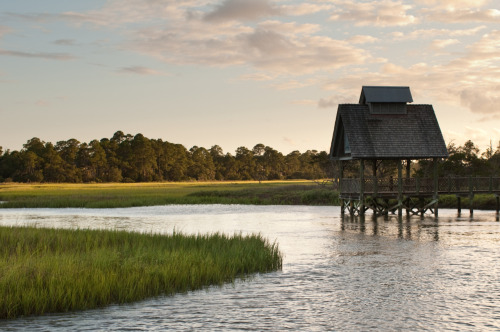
416 186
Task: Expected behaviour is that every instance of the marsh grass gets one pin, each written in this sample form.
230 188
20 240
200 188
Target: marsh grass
279 195
56 270
149 194
480 202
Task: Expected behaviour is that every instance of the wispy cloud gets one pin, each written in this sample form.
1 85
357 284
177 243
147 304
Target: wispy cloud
40 55
375 13
442 43
139 70
241 10
362 39
4 30
463 15
433 33
65 42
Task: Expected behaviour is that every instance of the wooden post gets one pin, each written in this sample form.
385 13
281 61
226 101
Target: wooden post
459 204
436 184
498 203
408 170
400 187
361 187
471 196
341 176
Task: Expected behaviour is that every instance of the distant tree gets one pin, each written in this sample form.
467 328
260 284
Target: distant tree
142 159
202 167
218 159
245 163
272 162
259 149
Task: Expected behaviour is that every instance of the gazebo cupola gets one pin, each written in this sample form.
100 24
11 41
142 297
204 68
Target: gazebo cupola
386 99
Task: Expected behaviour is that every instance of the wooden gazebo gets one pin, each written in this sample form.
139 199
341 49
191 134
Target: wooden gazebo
384 126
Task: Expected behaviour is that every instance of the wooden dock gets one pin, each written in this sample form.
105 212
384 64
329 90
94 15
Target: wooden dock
415 195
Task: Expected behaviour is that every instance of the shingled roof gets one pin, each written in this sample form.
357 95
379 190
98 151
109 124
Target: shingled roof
413 135
385 94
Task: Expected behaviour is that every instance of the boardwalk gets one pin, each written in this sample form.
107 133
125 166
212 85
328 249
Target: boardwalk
415 195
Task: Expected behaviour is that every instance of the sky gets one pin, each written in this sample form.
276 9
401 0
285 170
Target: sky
240 72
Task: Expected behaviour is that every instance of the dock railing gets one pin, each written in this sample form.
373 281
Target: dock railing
421 186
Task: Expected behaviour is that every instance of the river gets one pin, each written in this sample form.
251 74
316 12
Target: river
339 274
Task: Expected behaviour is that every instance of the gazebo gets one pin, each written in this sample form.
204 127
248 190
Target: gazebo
384 126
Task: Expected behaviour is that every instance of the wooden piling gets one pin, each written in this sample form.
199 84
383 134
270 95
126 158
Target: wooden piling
436 184
362 187
400 188
471 196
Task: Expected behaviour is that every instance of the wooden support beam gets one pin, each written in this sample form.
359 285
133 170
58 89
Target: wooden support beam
436 185
471 196
362 187
400 187
341 175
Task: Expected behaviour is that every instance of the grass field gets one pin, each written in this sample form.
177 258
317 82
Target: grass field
55 270
148 194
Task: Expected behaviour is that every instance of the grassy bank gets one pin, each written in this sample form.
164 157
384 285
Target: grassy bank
148 194
48 270
480 202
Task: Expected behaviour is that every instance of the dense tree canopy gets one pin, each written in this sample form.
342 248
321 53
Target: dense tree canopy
127 158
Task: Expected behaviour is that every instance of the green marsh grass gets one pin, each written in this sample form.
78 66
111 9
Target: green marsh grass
57 270
149 194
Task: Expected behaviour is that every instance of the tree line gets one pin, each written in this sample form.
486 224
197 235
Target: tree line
128 158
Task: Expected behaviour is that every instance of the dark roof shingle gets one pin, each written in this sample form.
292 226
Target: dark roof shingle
415 135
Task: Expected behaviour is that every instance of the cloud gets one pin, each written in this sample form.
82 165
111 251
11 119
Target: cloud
470 80
432 33
289 141
65 42
304 9
481 99
463 15
442 43
335 100
453 4
241 10
272 47
257 77
40 55
362 39
4 30
42 103
376 13
139 70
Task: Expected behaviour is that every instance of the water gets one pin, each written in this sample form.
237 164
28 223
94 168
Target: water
338 274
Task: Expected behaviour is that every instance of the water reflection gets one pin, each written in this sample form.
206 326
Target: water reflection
348 274
422 226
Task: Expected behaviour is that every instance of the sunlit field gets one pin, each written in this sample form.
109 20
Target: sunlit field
148 194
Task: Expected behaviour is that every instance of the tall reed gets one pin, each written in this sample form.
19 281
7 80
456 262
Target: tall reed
55 270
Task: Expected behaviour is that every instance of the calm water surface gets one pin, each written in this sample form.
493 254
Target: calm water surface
338 274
